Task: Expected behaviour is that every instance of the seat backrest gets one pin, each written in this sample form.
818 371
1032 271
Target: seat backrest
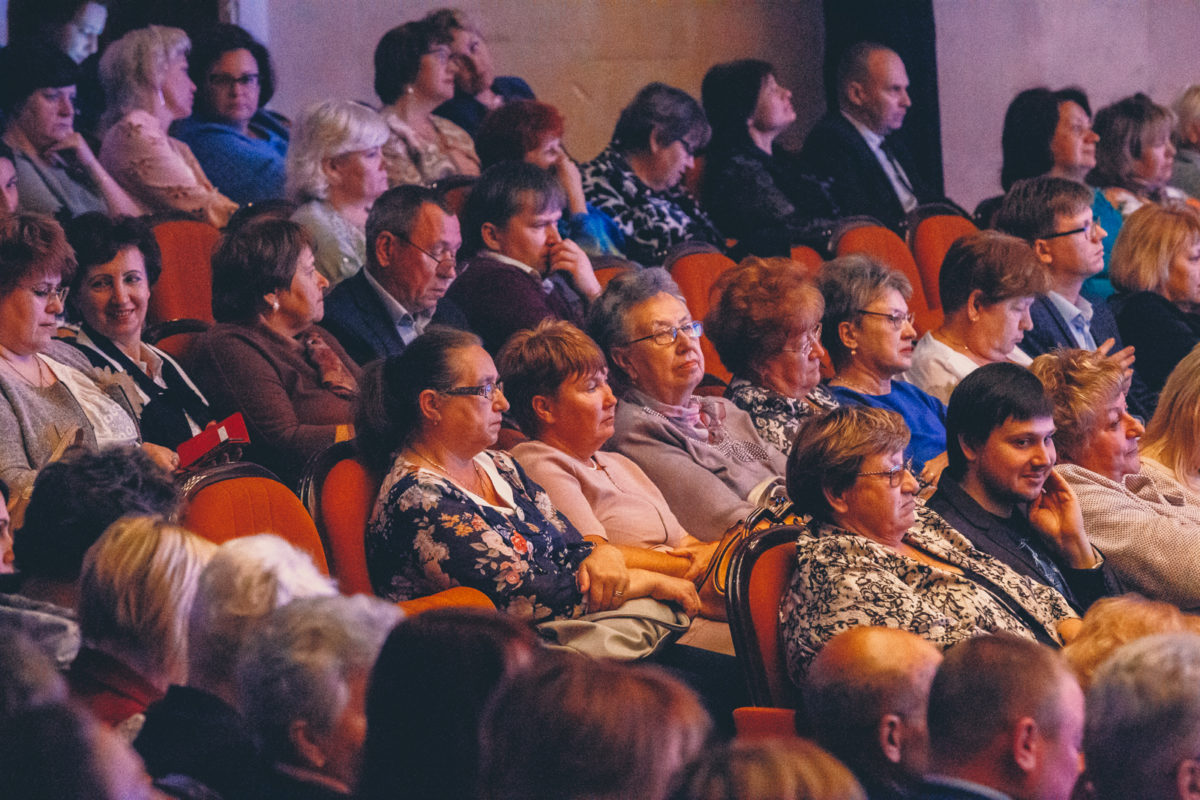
695 274
184 289
229 501
339 492
807 257
931 240
759 573
884 245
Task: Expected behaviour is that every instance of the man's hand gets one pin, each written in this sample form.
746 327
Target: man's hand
570 258
1056 515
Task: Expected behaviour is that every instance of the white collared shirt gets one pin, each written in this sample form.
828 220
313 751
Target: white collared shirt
1078 316
891 168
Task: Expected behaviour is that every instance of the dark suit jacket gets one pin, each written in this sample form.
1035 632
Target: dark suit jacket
933 789
357 318
835 150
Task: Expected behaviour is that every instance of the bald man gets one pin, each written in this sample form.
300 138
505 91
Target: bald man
865 697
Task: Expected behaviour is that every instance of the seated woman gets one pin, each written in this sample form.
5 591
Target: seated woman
766 326
72 26
266 357
413 76
755 192
145 79
10 197
52 396
118 263
636 179
1148 531
1185 173
869 333
1171 444
335 169
529 131
873 556
54 163
558 382
703 453
1156 271
450 512
240 144
987 283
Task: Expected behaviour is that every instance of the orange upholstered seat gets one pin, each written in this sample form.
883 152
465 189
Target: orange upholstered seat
884 245
696 274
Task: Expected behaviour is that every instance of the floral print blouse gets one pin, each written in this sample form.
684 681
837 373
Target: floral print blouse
427 534
843 580
777 416
409 159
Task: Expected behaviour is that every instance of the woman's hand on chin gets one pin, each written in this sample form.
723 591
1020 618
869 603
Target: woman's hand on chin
603 577
643 583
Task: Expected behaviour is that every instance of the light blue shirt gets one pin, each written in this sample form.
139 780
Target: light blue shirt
408 325
1078 316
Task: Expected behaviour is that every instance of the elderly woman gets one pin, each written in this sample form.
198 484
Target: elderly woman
414 74
703 453
873 556
146 83
1147 530
302 684
335 168
52 396
766 326
774 767
266 357
529 131
1156 270
451 512
1185 174
987 283
240 144
1171 444
635 180
9 195
869 333
118 263
54 163
755 192
557 380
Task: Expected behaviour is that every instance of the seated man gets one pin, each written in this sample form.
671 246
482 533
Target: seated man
411 261
1143 721
520 271
1000 489
1005 720
865 698
872 173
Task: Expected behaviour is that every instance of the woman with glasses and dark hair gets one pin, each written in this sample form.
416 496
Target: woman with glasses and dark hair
872 555
451 512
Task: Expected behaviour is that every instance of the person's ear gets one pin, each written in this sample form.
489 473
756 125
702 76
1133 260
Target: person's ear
489 232
304 746
1026 744
620 357
385 243
330 168
975 304
970 453
656 141
848 334
1041 248
856 93
837 502
543 409
272 300
1187 780
427 401
890 733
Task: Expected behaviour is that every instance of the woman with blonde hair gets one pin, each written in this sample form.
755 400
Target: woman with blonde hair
1171 444
1115 621
1156 271
1186 172
771 769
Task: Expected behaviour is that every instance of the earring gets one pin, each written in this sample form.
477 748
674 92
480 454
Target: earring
409 89
274 305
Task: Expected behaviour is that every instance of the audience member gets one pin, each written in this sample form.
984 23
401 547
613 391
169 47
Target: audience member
266 358
302 685
1143 720
335 170
1000 489
118 264
987 284
766 327
477 88
10 197
146 83
1112 622
1005 716
572 728
72 26
1185 173
871 172
757 193
868 331
427 691
54 163
414 74
1146 530
702 452
411 262
240 144
872 556
780 769
865 697
520 271
636 179
1171 444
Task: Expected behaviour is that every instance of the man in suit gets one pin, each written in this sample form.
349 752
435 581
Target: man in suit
871 174
412 252
1005 720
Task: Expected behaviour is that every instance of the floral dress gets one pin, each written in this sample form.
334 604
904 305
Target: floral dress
776 416
409 159
427 534
843 580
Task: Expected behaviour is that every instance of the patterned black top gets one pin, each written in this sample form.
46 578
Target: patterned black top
777 416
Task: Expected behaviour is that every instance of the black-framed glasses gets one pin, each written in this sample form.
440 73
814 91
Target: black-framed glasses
895 475
896 318
808 341
222 81
487 391
693 330
446 256
1087 229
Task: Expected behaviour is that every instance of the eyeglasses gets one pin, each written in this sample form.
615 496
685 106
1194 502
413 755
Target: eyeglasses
44 293
487 391
222 81
693 330
897 319
895 475
808 342
1089 229
446 256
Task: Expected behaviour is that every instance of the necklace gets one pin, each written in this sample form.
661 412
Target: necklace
960 346
855 385
441 468
16 370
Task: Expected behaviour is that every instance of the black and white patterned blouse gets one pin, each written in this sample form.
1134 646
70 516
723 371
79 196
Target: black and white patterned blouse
844 580
777 416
